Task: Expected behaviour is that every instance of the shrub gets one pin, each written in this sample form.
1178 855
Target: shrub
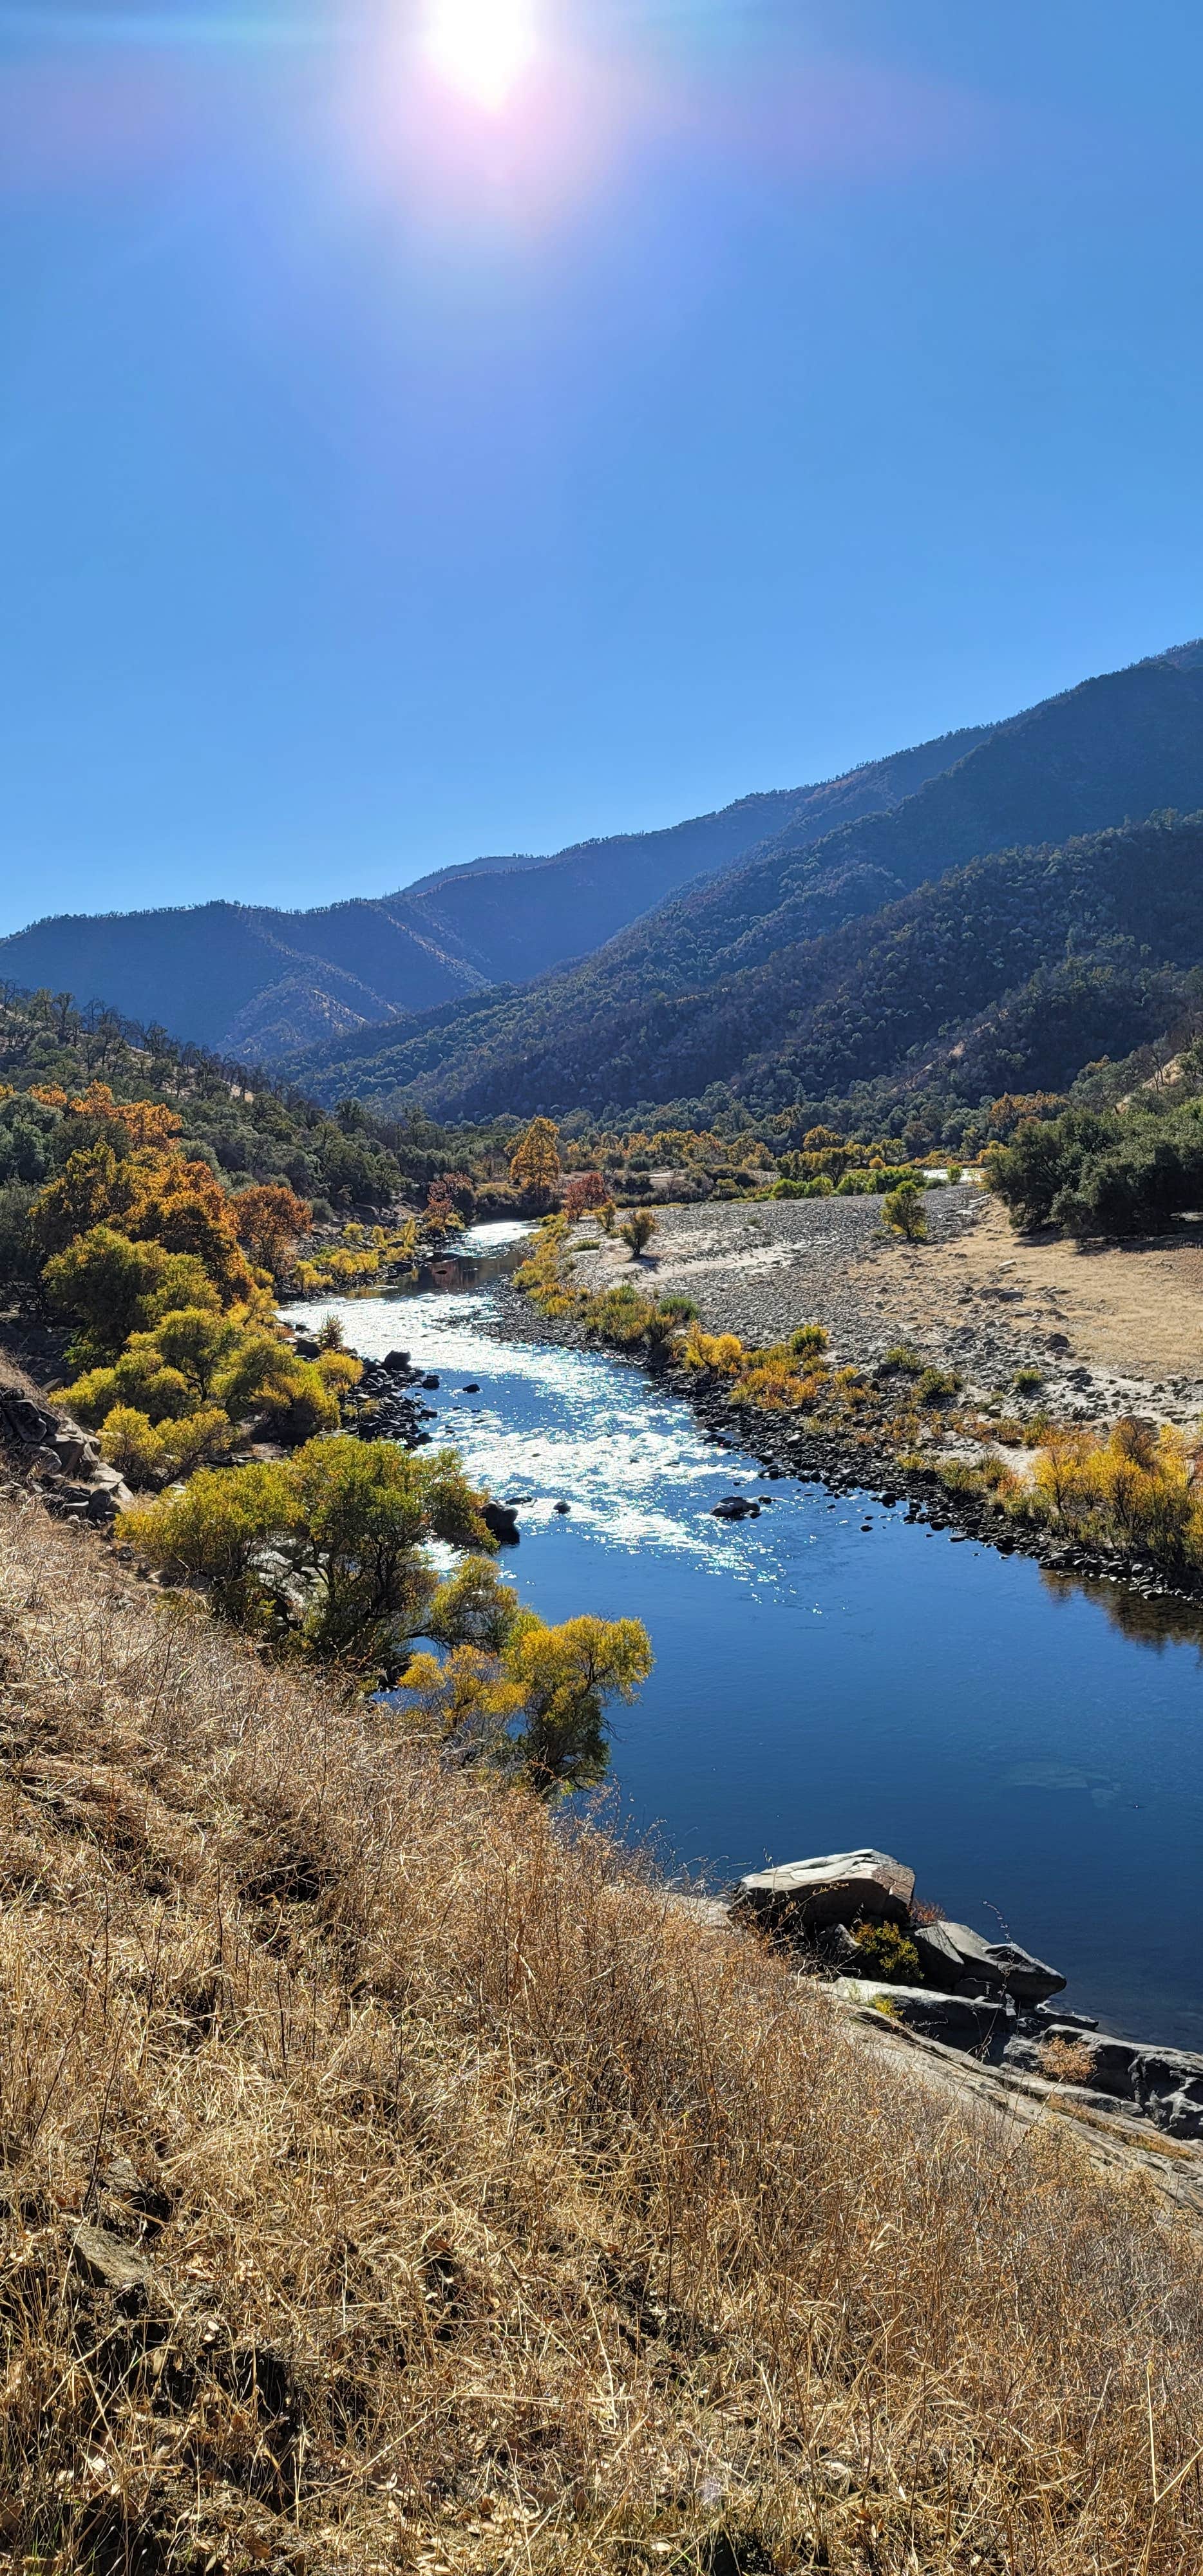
1067 2061
1028 1380
936 1385
903 1210
888 1954
131 1444
807 1340
637 1230
536 1704
903 1360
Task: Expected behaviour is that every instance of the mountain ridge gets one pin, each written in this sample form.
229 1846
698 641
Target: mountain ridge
681 999
257 980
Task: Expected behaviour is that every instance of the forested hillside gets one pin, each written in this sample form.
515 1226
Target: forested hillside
257 982
798 970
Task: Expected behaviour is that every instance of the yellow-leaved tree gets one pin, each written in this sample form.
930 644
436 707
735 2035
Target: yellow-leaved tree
535 1162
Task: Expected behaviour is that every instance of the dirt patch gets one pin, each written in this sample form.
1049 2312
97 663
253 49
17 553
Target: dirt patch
1136 1307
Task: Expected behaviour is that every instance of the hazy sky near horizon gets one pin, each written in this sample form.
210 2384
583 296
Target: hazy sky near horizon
390 475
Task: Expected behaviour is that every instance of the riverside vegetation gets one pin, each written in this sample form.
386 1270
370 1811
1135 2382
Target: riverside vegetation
318 1544
1132 1493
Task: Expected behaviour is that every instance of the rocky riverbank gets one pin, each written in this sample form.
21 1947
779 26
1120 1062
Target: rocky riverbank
972 1301
851 1916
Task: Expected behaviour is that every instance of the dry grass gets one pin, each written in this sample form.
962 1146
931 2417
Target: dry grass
395 2181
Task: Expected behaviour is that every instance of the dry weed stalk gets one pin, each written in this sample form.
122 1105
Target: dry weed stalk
393 2179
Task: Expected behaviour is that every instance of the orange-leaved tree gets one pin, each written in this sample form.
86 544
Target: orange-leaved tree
270 1219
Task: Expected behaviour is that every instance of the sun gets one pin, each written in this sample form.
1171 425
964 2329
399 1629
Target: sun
481 47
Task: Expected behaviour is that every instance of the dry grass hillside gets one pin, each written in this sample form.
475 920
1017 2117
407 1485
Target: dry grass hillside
392 2180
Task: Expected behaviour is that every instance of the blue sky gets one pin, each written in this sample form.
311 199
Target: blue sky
386 478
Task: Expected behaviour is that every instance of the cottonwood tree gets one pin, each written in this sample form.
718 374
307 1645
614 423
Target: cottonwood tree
535 1164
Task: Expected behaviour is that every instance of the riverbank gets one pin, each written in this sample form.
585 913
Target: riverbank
1007 1322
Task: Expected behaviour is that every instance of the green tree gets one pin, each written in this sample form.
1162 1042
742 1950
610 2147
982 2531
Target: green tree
114 1288
366 1507
197 1343
264 1374
216 1528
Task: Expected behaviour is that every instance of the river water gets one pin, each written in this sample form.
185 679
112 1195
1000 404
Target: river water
830 1675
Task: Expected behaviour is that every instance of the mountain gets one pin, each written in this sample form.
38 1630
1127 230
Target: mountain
716 985
255 983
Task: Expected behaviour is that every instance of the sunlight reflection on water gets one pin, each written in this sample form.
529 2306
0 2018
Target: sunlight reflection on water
560 1426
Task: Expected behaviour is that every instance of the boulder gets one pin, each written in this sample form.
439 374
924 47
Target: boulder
499 1520
396 1361
1003 1964
839 1887
26 1421
110 2264
939 1956
73 1449
735 1507
959 2020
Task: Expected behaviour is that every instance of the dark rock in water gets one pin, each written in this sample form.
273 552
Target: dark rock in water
395 1361
1004 1965
840 1887
735 1507
939 1957
430 1381
562 1507
499 1519
959 2020
471 1388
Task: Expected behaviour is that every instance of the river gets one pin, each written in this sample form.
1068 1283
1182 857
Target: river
830 1674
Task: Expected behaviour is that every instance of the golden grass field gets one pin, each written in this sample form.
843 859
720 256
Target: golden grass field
394 2180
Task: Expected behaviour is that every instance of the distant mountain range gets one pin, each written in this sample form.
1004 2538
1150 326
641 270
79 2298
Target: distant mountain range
873 952
990 910
256 983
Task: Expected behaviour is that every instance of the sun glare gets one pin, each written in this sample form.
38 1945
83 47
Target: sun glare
481 47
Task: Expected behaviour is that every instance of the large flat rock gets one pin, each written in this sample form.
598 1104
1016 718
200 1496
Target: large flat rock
961 2021
836 1887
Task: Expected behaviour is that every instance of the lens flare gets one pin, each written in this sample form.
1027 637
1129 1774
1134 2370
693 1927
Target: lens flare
481 47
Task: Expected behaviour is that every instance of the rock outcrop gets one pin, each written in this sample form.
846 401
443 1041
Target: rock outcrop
841 1887
45 1451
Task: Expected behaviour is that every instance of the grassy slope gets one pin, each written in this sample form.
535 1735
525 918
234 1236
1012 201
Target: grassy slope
500 2217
